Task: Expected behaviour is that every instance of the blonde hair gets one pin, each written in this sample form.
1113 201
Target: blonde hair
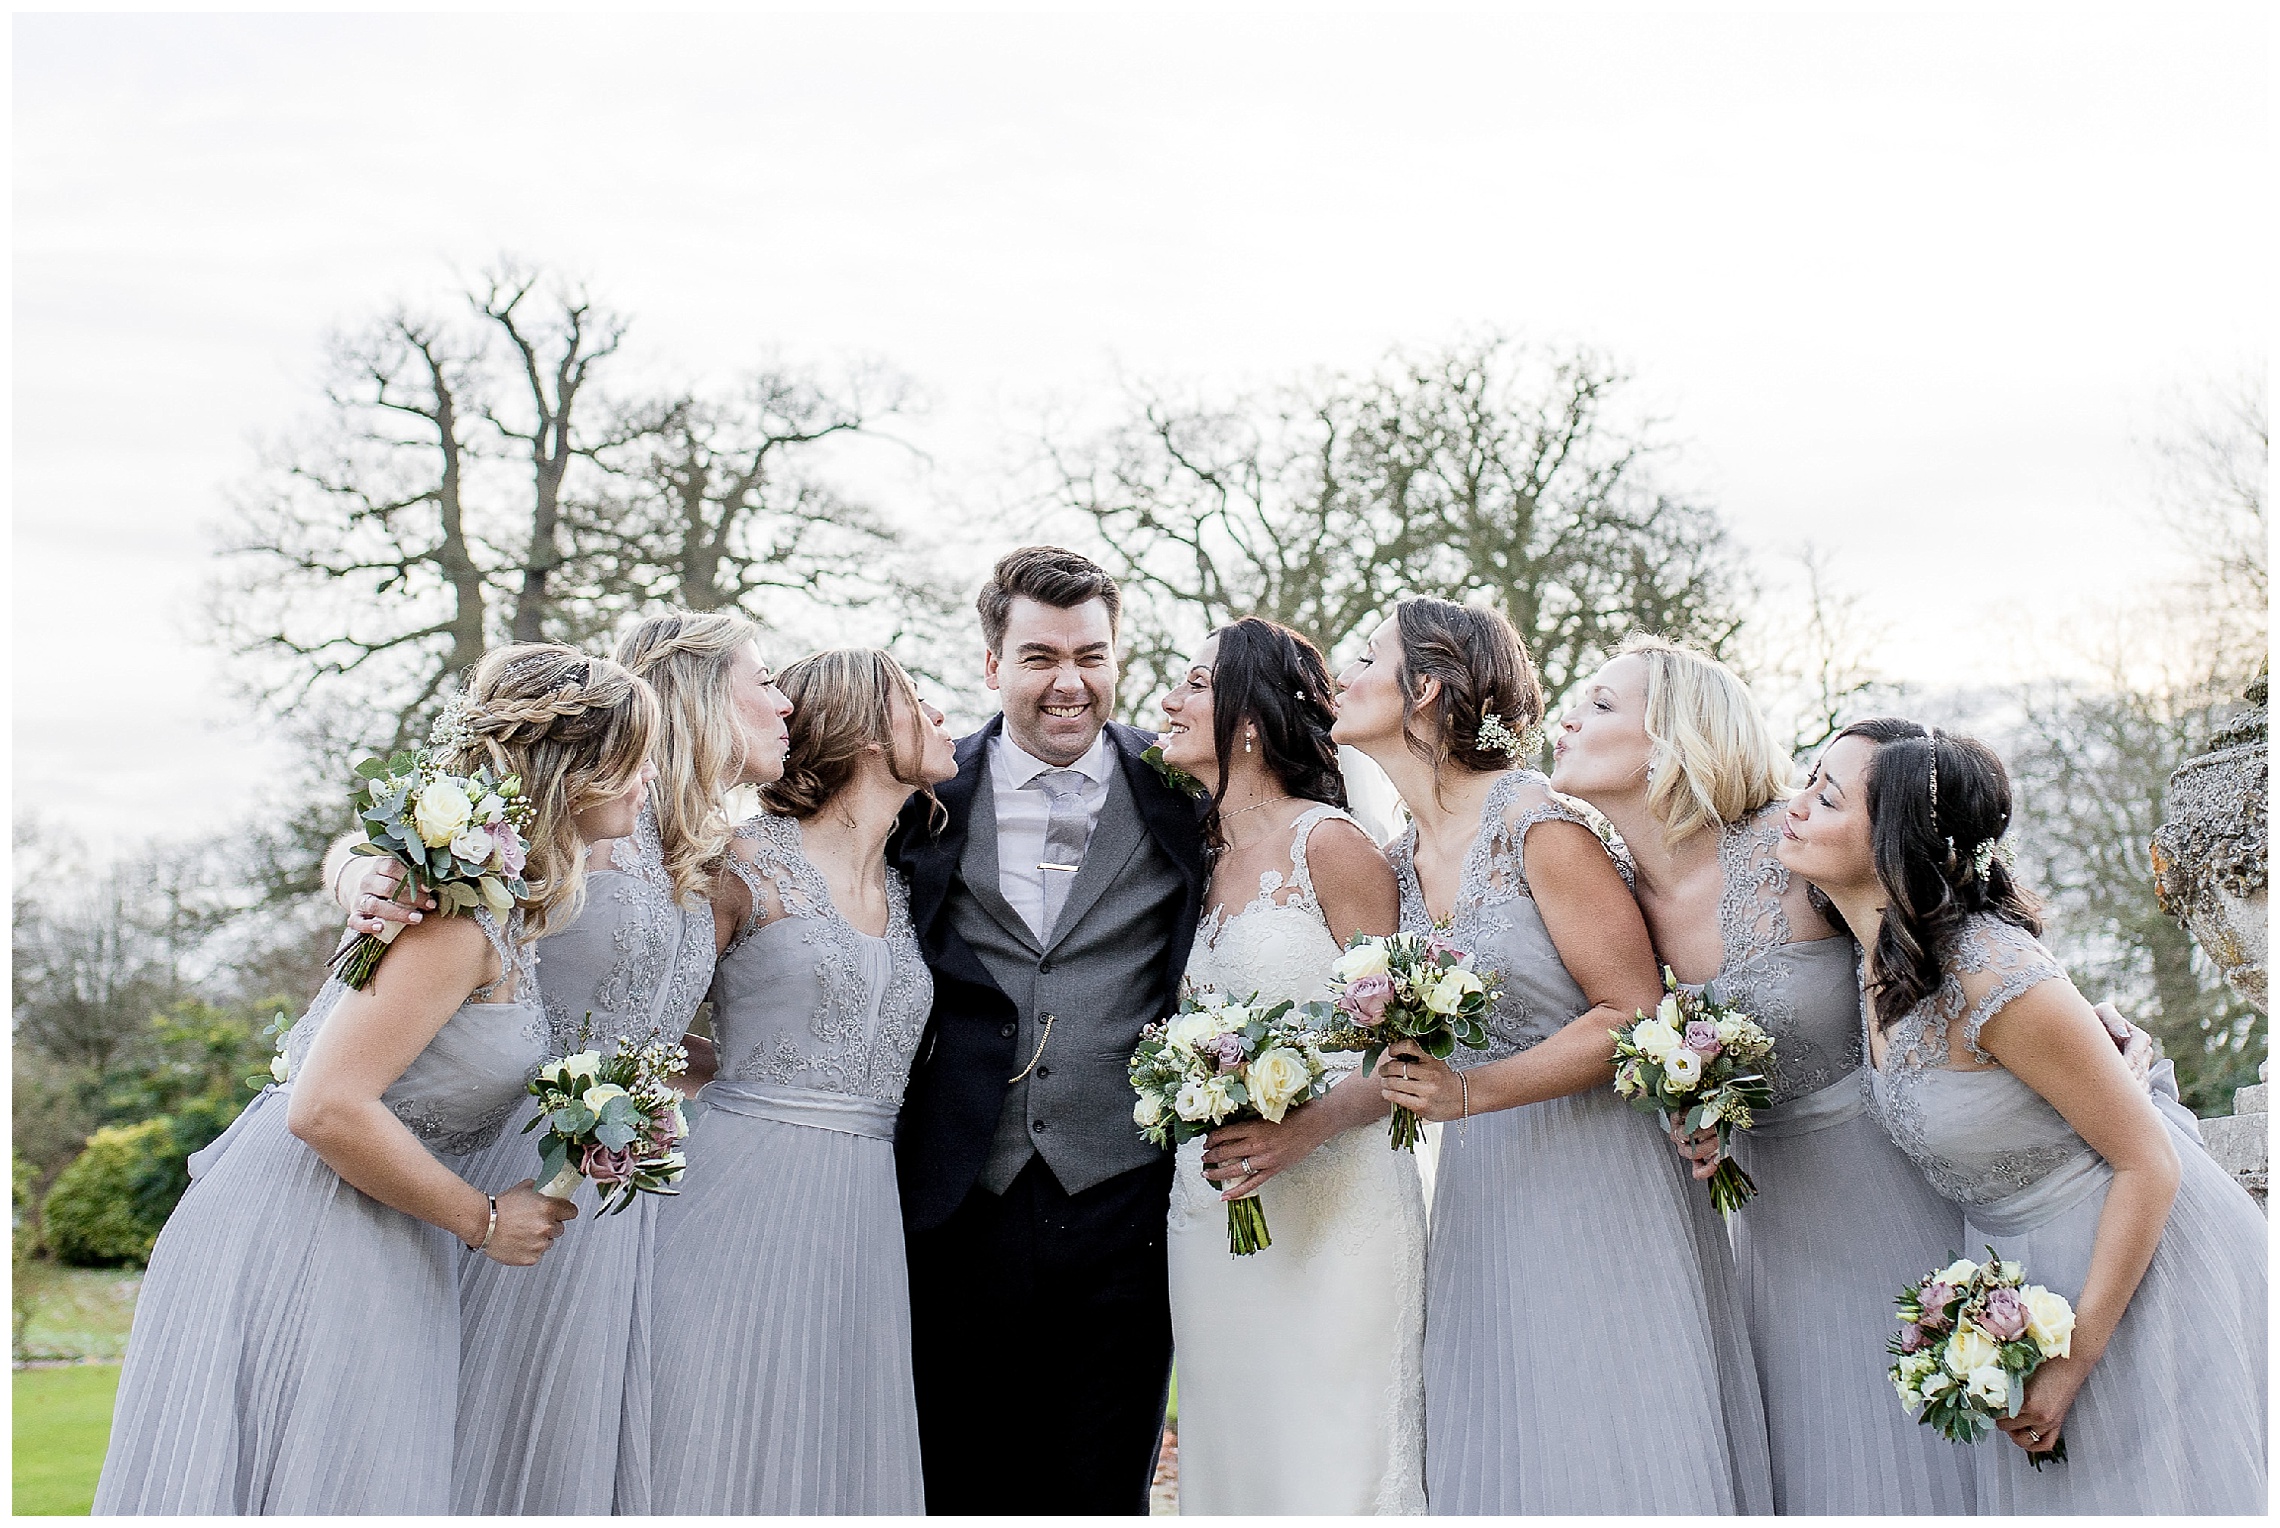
688 660
842 703
1711 758
577 730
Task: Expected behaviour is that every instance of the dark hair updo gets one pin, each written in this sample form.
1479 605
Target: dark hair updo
1269 677
1926 835
1484 671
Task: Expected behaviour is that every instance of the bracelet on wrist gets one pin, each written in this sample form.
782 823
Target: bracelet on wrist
489 1230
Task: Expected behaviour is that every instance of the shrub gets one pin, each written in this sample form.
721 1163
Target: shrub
110 1204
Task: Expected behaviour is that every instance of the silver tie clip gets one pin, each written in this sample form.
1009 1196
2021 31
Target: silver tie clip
1049 865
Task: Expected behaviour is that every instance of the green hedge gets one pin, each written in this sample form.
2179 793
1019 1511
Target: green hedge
109 1205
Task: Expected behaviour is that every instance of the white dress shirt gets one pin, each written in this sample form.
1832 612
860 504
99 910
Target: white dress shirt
1022 814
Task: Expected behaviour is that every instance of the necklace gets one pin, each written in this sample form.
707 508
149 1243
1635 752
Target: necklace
1254 807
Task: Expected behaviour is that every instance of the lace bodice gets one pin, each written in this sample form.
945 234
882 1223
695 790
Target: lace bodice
1495 916
636 963
1805 994
459 1091
1978 1135
804 999
1278 945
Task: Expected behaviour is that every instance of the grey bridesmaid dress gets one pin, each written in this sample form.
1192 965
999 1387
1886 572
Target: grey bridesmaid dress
1841 1221
1585 1347
553 1360
296 1344
782 1367
2172 1419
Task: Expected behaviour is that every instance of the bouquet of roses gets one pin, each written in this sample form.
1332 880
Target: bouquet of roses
1214 1061
1404 987
1702 1060
614 1121
459 836
1970 1334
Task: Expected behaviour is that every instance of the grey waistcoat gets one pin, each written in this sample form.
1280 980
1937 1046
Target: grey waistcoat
1101 975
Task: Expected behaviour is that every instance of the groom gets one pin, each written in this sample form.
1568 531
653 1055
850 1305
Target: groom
1056 905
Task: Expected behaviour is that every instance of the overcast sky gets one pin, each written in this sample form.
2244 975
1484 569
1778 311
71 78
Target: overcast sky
1914 288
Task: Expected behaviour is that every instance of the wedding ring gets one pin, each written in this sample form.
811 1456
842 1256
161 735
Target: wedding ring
2034 1437
1246 1167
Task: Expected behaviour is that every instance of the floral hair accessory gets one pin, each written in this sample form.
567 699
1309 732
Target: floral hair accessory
1989 851
1492 733
451 731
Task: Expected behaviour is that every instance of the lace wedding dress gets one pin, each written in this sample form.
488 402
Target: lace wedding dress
1301 1367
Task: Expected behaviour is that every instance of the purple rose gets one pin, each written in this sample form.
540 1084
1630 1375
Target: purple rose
1913 1338
1229 1049
1366 997
512 854
1702 1039
606 1167
2003 1314
1933 1302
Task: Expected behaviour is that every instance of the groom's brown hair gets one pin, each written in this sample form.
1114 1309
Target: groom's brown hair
1050 575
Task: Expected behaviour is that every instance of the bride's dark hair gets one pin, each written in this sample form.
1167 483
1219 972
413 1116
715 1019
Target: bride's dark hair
1269 677
1926 839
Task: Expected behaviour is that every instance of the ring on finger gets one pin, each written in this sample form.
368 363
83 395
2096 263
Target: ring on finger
1246 1166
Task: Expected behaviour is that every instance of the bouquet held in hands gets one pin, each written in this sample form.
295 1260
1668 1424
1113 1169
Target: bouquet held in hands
615 1122
1416 987
1970 1335
1216 1061
457 836
1703 1061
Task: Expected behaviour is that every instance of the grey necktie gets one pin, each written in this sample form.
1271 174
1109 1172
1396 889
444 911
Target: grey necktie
1066 833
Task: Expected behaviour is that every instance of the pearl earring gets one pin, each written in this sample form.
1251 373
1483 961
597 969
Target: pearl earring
1247 735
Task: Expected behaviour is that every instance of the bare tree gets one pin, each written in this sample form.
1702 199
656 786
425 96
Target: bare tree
1807 657
1485 470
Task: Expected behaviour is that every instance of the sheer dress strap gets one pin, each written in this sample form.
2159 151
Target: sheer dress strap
1301 877
2018 961
766 854
517 958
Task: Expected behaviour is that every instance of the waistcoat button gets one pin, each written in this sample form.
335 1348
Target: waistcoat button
1006 1032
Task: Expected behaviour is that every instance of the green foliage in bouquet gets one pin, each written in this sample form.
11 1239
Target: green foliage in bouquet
1416 987
1970 1336
1702 1061
613 1120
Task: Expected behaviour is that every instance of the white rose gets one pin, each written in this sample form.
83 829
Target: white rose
1148 1109
1958 1273
2050 1321
490 809
278 1069
1682 1067
1656 1040
600 1094
1193 1103
1935 1384
1363 960
1909 1399
1668 1011
586 1064
1990 1386
1969 1349
1222 1100
474 845
1192 1029
1276 1076
443 811
1449 993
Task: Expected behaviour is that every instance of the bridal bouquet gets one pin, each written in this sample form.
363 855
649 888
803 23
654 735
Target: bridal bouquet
459 836
1702 1060
614 1121
1215 1061
1970 1334
1404 987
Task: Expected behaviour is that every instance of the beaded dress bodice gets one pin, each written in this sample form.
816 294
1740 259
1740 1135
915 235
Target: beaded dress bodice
1978 1135
636 962
459 1091
1806 994
804 999
1495 916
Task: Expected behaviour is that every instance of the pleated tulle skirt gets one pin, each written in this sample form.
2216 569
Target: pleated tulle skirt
295 1346
780 1349
1841 1223
2172 1419
1585 1347
553 1359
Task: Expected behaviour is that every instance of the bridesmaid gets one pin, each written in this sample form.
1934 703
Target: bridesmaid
1990 1071
1580 1314
781 1355
1668 744
296 1345
554 1366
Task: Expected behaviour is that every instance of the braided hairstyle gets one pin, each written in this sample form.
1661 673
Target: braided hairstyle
1922 834
577 729
1269 677
688 660
1483 669
842 704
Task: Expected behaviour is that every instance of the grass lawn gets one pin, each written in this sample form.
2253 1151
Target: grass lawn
77 1312
63 1421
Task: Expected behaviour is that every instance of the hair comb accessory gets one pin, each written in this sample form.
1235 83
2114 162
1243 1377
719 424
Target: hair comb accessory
1989 851
1934 735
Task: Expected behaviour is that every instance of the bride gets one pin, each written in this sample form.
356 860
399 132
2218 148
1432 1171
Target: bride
1300 1366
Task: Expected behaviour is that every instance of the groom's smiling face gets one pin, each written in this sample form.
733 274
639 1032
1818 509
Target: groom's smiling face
1057 676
